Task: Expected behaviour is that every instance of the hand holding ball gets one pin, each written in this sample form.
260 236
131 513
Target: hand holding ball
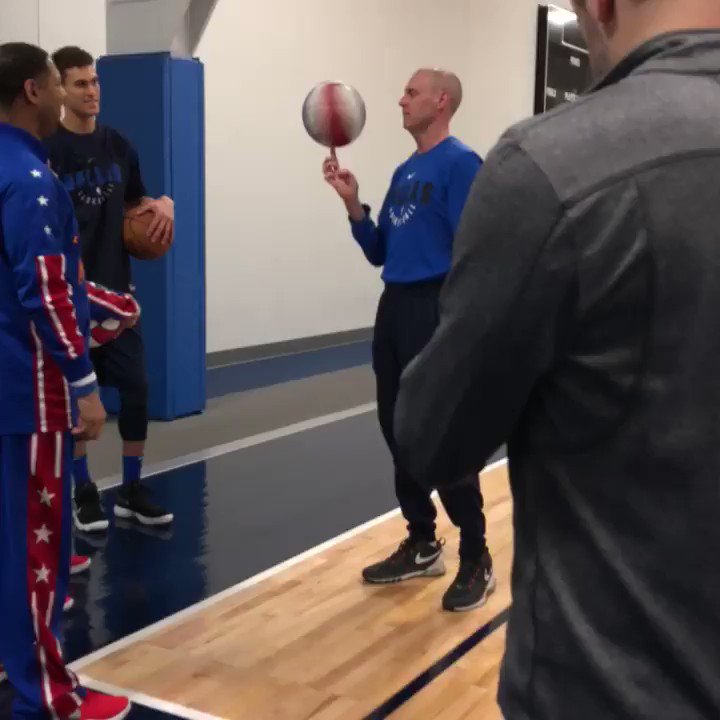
137 240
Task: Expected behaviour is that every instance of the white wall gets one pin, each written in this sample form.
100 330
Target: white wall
54 23
281 261
146 26
501 79
18 21
73 22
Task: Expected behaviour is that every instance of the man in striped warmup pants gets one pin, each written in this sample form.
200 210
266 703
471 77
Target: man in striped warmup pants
48 393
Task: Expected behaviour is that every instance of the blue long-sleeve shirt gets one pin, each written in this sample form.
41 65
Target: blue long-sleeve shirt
414 234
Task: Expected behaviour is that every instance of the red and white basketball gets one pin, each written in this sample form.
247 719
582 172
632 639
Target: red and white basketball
333 114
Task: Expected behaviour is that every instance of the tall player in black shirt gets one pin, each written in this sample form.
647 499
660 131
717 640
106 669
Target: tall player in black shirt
100 169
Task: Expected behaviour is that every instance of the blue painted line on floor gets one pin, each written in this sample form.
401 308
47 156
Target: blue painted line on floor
433 672
286 368
266 372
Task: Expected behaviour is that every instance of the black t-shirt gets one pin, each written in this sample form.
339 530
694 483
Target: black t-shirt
101 171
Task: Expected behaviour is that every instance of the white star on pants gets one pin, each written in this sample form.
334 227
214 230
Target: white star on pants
46 497
43 201
43 575
43 534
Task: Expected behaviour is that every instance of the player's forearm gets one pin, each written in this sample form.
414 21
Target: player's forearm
55 337
49 302
45 293
355 209
369 237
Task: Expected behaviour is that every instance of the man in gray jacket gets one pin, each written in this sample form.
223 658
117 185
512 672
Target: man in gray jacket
581 323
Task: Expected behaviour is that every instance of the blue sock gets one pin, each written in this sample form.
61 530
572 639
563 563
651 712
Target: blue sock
132 468
80 471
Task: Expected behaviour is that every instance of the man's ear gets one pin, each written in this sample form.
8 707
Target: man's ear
444 99
31 90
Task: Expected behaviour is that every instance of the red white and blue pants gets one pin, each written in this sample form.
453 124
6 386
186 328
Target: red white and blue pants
35 535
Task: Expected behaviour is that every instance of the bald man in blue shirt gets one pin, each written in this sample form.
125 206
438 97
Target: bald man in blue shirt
412 241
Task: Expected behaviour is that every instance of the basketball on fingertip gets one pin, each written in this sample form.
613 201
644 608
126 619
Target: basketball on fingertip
334 114
136 239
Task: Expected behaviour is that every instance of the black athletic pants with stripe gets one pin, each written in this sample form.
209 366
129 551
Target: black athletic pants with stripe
406 319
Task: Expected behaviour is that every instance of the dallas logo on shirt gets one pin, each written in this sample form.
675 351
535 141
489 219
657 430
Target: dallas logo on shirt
405 197
93 185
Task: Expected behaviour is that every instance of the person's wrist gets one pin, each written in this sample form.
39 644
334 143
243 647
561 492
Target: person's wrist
355 210
85 390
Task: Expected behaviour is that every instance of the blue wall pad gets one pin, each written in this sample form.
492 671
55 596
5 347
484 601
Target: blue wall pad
157 101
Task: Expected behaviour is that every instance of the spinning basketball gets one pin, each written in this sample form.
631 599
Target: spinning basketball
137 241
333 114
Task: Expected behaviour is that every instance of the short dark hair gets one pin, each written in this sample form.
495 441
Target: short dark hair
71 56
19 62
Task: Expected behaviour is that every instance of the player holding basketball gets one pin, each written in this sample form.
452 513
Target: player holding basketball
100 169
48 393
413 241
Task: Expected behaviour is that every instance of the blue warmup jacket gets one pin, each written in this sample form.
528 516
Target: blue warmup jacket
44 310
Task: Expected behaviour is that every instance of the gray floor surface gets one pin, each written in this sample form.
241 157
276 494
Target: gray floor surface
237 416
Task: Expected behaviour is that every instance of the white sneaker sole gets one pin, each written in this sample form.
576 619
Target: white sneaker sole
124 713
99 526
126 514
489 590
437 569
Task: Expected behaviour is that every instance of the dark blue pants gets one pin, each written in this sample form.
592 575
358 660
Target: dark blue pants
406 320
35 528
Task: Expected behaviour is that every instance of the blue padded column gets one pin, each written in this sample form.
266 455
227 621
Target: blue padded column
157 101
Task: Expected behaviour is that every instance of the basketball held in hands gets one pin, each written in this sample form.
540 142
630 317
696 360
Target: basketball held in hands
136 239
334 114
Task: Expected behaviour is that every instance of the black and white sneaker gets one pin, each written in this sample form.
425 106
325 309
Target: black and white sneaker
89 515
414 558
133 501
474 583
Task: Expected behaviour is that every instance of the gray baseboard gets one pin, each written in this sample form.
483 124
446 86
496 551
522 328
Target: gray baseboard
288 347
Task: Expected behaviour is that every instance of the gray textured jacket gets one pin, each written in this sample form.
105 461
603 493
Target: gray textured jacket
581 323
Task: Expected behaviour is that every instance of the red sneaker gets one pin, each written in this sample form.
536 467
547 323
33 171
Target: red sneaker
69 604
79 564
97 706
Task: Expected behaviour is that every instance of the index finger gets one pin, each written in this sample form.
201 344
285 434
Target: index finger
139 210
169 232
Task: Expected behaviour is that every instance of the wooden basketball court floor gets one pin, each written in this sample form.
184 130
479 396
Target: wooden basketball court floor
309 641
